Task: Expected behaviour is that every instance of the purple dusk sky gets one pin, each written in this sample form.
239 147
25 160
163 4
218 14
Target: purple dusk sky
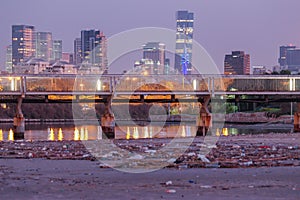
258 27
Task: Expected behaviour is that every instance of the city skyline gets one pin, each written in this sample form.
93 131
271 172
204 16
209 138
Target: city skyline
218 25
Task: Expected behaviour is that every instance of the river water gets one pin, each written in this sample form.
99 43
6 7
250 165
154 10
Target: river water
59 131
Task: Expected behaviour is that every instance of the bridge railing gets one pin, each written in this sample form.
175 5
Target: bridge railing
68 84
159 83
152 83
10 84
258 83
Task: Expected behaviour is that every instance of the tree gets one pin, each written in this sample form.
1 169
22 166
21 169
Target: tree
285 72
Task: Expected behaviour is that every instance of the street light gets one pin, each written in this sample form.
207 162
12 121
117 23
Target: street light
99 85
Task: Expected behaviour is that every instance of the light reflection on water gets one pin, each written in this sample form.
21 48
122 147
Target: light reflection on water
59 132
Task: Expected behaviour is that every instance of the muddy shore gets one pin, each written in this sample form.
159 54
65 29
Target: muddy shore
226 152
236 167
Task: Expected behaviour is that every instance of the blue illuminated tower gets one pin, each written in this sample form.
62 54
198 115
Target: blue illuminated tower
184 40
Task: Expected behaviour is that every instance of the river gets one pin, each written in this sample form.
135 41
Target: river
69 131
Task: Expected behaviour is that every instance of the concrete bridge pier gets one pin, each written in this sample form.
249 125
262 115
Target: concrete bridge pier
297 119
108 120
204 122
19 121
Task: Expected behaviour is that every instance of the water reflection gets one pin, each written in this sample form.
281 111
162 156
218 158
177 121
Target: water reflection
51 134
11 135
76 134
92 132
225 132
1 135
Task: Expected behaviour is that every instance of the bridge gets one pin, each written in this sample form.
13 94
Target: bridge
146 88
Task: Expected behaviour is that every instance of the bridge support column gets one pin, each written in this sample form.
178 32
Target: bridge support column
297 119
19 121
204 122
108 120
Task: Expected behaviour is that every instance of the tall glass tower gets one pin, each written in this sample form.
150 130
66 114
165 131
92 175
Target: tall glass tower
44 45
184 41
93 48
23 43
57 50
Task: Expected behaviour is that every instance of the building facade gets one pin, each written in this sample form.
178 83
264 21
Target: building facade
77 51
44 45
94 49
67 57
259 70
155 51
293 60
23 43
57 50
184 41
237 63
8 59
282 60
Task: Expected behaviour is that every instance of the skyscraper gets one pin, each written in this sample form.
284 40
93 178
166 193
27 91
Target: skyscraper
283 54
57 50
184 41
155 51
293 60
44 45
77 51
93 48
237 63
8 61
23 43
289 58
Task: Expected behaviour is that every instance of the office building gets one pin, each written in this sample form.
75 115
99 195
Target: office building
67 57
293 60
8 60
57 50
44 45
167 66
31 66
145 67
23 43
184 41
283 55
259 70
237 63
77 51
93 49
155 51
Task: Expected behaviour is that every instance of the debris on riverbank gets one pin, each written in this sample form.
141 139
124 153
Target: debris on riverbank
229 152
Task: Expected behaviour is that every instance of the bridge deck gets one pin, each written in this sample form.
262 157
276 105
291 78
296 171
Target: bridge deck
128 85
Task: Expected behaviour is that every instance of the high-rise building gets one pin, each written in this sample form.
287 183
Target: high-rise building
155 51
93 48
8 61
23 43
44 45
283 54
57 50
167 66
237 63
77 51
184 41
293 60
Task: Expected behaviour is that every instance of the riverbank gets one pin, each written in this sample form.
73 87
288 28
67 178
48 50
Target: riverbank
228 152
75 179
